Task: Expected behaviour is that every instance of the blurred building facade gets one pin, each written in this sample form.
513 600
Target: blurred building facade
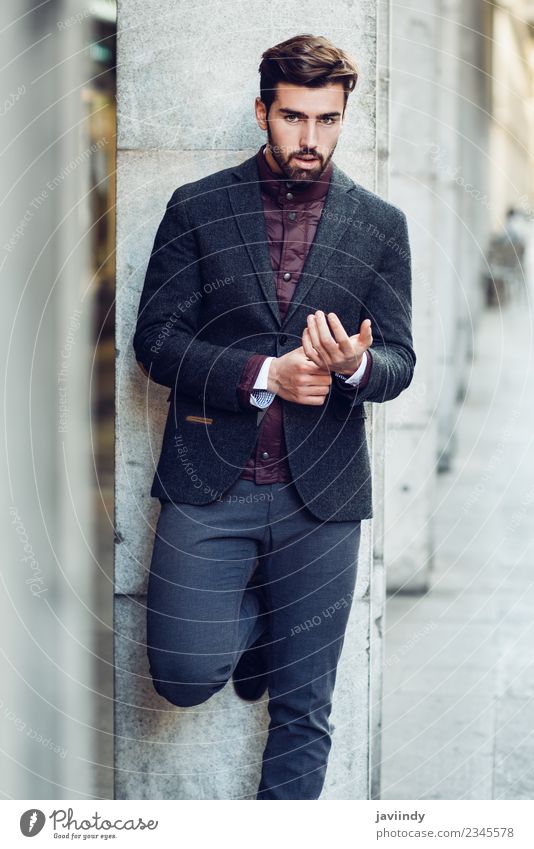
461 82
58 164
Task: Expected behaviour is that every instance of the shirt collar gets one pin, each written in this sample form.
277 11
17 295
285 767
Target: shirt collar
277 186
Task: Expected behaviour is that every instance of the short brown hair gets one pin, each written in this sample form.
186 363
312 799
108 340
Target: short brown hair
308 60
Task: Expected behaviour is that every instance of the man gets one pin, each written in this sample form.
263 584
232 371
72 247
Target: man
277 300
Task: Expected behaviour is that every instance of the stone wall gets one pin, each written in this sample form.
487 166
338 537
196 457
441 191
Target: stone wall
186 88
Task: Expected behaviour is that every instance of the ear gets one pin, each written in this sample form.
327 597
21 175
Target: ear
261 113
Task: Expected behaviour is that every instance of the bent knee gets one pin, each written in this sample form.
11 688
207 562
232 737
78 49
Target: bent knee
183 695
185 687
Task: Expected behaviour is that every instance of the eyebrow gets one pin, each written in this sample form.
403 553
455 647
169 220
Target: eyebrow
303 114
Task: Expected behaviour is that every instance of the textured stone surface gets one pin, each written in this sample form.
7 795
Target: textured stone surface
186 89
412 426
188 76
410 501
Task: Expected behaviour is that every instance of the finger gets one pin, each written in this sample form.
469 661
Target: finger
309 349
340 335
315 339
327 340
323 378
313 401
316 391
366 335
317 343
314 370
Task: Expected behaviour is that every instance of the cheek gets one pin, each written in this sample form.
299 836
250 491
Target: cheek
289 142
285 134
329 137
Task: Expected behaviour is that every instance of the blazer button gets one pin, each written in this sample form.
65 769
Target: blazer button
282 338
264 455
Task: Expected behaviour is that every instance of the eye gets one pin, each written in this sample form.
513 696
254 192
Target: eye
328 120
292 119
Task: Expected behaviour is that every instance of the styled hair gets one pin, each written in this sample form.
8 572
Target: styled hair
307 60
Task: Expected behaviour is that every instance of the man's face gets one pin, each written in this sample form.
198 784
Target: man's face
303 128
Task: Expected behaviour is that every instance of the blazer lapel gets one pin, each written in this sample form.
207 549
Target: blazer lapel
245 199
338 213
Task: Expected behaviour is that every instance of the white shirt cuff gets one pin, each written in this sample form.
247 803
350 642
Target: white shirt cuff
263 375
354 379
263 397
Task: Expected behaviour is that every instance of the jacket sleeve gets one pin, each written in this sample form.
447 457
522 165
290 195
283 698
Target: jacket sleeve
166 342
388 304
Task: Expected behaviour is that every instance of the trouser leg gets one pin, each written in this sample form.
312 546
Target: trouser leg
312 573
200 613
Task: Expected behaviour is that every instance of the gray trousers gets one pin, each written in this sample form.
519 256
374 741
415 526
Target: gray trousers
255 562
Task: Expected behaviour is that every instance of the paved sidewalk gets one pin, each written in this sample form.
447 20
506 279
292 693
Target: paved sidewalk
459 677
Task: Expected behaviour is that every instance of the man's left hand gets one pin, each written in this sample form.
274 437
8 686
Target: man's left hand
338 352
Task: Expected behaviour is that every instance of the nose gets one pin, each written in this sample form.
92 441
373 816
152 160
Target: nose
308 137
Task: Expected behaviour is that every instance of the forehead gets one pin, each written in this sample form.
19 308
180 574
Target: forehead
312 101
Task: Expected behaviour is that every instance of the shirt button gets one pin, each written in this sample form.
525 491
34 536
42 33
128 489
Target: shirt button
287 276
292 215
264 455
289 196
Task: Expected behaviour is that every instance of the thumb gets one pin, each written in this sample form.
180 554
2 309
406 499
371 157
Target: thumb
365 331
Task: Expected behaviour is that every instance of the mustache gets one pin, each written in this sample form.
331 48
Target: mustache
307 153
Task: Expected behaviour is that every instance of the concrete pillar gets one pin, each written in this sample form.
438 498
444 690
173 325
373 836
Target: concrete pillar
186 88
512 175
448 213
463 194
474 178
439 170
411 426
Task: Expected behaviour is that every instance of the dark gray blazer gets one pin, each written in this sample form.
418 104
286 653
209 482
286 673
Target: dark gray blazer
209 301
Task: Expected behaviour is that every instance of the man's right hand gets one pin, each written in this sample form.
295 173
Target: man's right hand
296 378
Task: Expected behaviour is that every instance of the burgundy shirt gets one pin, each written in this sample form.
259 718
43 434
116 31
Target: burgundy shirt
292 212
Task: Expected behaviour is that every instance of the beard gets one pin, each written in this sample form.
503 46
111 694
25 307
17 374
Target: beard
290 167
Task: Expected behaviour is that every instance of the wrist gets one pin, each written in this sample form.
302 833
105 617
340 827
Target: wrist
347 372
